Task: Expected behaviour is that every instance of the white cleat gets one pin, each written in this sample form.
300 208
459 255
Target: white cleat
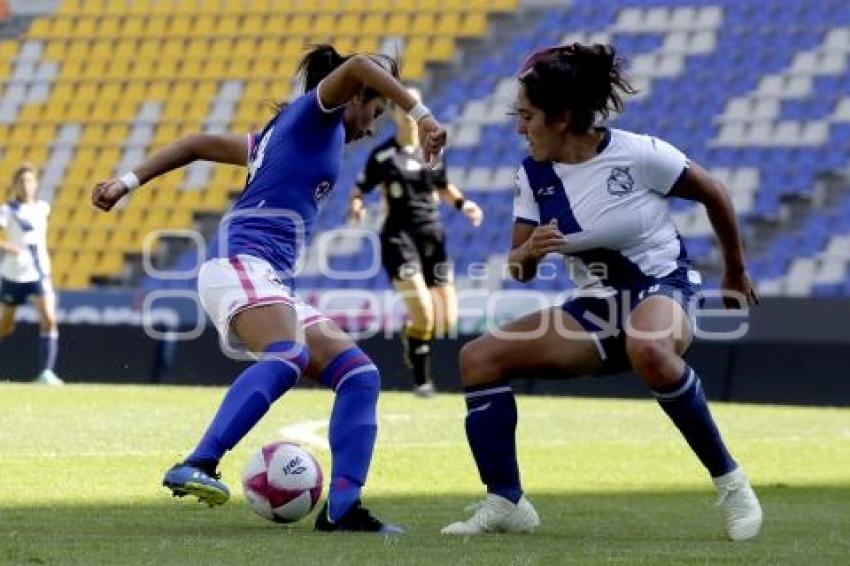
47 377
424 390
496 515
740 505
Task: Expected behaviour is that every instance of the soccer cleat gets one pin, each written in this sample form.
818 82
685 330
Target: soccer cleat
358 519
497 515
740 505
47 377
424 390
185 479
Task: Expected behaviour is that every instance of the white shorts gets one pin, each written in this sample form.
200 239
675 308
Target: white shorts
228 286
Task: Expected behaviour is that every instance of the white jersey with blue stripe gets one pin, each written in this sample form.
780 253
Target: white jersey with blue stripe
611 209
293 166
26 228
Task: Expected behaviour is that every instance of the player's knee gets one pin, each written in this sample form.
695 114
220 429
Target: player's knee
7 327
654 361
293 354
477 364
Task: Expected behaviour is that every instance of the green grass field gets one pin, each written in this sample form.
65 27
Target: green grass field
80 468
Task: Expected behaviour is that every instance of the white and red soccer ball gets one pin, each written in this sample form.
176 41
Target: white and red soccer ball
282 482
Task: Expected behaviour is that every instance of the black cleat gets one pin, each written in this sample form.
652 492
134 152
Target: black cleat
357 520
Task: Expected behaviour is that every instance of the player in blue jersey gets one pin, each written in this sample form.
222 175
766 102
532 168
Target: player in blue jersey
248 289
25 267
598 196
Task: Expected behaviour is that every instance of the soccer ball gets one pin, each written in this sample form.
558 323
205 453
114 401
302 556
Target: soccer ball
282 482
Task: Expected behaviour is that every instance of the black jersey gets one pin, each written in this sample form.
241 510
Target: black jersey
408 184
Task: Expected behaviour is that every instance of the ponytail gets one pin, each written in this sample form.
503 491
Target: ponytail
318 63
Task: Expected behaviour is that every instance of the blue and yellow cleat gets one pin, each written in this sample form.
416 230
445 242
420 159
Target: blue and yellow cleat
185 479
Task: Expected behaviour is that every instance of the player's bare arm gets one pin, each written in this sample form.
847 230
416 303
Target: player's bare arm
219 148
529 244
698 185
452 196
347 81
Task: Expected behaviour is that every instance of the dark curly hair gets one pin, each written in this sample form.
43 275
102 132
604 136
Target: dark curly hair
584 80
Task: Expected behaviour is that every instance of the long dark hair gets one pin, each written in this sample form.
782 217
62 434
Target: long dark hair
321 60
584 80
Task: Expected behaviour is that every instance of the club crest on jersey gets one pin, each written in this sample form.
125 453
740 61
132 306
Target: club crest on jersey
274 278
322 191
620 181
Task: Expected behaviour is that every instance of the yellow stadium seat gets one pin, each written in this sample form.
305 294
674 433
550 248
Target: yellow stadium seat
74 280
197 48
109 26
449 23
132 27
372 25
95 69
110 263
180 26
155 26
397 24
158 90
54 49
202 25
441 49
324 24
40 29
299 24
272 25
78 49
227 25
244 48
474 25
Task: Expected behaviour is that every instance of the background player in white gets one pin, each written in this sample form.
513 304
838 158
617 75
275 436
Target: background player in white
25 268
598 196
413 242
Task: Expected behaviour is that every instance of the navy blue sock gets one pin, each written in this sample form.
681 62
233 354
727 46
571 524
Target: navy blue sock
491 420
353 426
48 348
687 407
249 398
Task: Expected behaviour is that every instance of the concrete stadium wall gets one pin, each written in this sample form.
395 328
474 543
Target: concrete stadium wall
796 352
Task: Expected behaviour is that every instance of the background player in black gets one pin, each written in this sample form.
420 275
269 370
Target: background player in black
413 249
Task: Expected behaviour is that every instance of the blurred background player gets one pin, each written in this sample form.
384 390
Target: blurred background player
413 244
25 268
599 196
248 289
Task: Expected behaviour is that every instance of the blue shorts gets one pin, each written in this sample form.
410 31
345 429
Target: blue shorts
13 293
604 315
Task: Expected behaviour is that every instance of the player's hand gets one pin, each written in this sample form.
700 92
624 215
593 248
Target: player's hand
738 290
357 215
432 139
106 194
11 248
472 211
546 239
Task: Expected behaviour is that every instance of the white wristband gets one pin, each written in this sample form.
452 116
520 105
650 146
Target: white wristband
130 180
419 112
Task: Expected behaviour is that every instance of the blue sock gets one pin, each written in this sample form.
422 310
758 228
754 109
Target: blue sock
249 398
491 419
687 407
353 426
48 348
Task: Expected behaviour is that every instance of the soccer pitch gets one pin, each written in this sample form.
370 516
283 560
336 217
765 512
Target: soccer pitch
80 468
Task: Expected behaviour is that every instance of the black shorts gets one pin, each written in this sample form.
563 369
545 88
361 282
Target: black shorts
14 294
405 253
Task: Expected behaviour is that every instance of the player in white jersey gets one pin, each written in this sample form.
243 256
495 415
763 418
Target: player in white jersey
598 196
25 267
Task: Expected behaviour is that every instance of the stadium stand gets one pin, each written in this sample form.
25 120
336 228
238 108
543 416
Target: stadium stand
102 82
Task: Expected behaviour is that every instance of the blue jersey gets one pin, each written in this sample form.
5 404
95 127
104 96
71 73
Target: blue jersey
293 166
